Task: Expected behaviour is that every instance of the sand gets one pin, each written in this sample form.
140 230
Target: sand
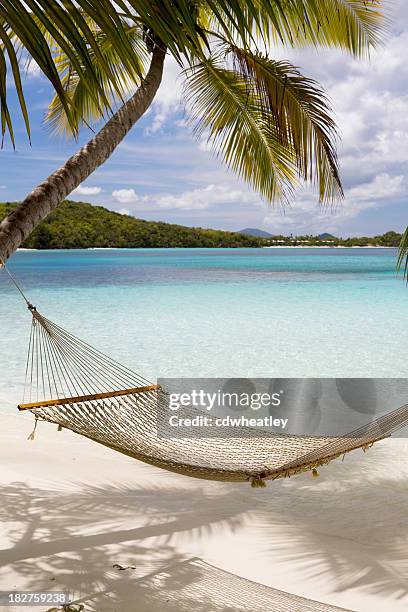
71 509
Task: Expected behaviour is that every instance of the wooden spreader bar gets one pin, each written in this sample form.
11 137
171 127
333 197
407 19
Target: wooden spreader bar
85 398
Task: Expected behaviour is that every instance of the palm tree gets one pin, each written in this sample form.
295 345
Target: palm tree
269 123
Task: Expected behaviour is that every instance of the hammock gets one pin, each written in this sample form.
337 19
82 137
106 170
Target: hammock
196 585
75 386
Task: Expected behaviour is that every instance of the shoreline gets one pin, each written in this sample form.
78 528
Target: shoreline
329 248
340 246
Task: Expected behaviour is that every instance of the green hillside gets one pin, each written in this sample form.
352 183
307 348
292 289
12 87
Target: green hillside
76 225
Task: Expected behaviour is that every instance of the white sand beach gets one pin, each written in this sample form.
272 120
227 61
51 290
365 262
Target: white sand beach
72 509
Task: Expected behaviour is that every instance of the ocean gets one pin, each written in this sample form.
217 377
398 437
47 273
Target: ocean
214 312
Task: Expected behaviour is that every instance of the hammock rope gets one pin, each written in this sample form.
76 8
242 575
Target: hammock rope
73 385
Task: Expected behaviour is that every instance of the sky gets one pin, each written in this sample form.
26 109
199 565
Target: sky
161 172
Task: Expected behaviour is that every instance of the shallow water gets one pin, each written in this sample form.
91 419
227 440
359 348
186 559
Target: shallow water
215 312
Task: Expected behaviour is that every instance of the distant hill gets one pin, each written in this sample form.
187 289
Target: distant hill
326 236
77 225
253 231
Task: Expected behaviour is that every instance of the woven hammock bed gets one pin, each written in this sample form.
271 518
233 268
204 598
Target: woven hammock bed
71 384
196 585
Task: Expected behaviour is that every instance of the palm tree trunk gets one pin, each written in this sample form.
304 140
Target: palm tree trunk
15 228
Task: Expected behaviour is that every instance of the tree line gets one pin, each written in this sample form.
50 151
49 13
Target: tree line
79 225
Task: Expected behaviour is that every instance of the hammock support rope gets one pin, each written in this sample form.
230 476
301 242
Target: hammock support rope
73 385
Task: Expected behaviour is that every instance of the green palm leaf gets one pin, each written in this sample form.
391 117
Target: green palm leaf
84 108
402 261
354 25
14 63
182 26
13 19
43 29
175 22
225 107
301 114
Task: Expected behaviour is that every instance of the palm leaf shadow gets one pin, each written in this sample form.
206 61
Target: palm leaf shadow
349 526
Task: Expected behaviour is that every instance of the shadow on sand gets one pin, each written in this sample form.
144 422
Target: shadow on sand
349 526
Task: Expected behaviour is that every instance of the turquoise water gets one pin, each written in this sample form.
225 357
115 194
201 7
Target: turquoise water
218 312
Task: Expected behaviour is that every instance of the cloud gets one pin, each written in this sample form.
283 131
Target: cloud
168 98
379 190
306 217
2 186
208 197
370 104
87 191
231 204
33 69
125 196
204 198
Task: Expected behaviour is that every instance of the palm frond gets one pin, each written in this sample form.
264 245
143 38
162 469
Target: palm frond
17 19
353 25
43 29
224 108
402 261
84 108
301 114
7 45
175 23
